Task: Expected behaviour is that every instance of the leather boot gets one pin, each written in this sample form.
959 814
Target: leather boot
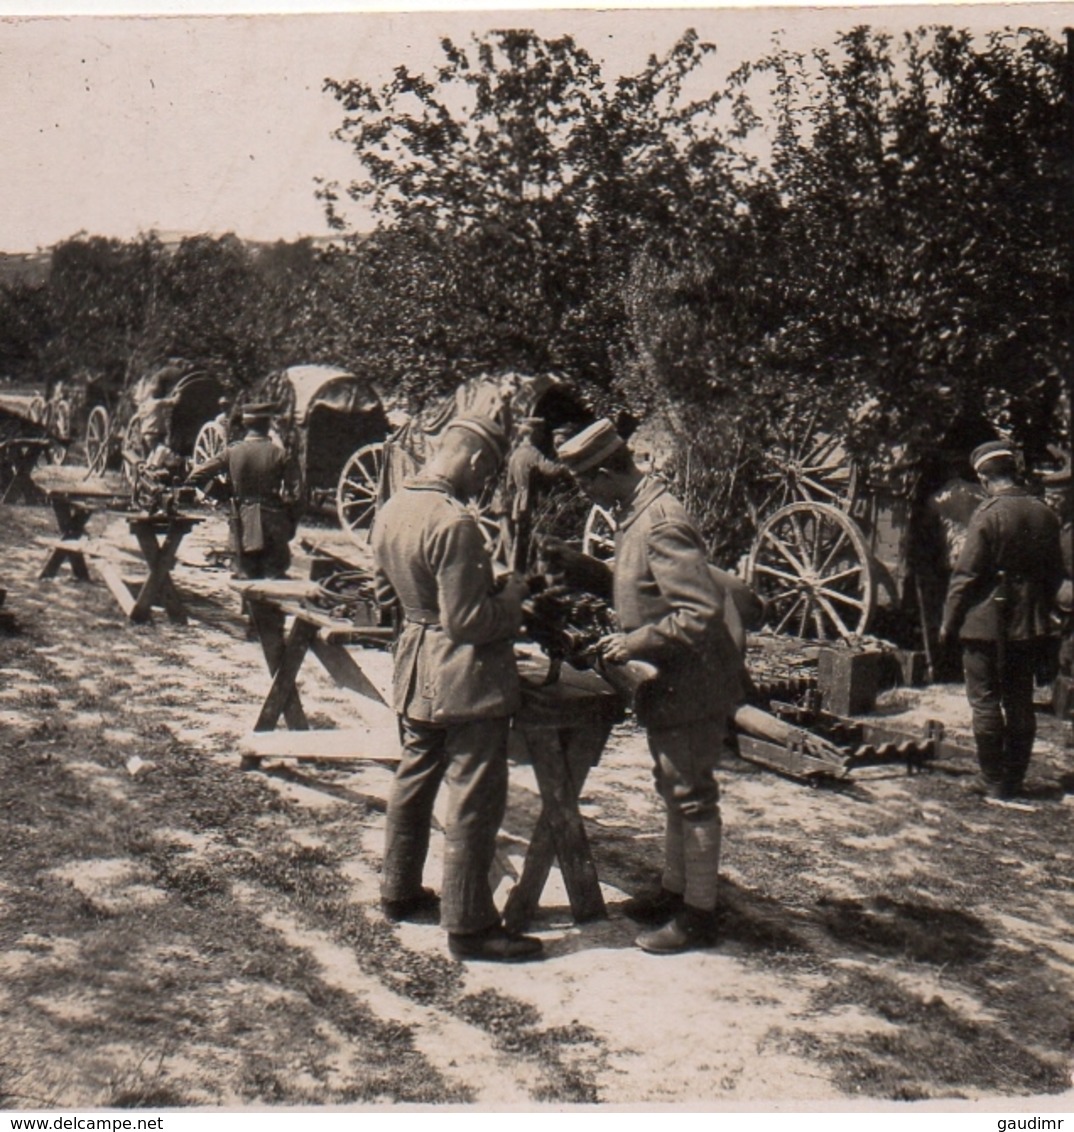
653 907
1018 753
673 878
495 945
701 845
691 928
990 760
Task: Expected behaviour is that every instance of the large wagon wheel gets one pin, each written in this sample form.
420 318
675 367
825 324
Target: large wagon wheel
811 565
807 464
598 538
210 441
38 409
133 444
98 434
356 495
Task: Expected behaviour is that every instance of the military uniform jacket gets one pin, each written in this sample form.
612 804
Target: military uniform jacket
454 659
671 608
1015 533
262 476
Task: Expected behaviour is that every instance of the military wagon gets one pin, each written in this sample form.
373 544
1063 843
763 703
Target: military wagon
335 424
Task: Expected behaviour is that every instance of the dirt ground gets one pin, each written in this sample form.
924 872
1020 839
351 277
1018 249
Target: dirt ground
175 932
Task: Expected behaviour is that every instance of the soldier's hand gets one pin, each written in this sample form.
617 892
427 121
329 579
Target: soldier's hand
613 648
515 588
944 639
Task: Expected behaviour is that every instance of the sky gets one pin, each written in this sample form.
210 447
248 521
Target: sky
119 124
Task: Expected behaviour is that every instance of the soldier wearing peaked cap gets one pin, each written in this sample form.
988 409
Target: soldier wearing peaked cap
671 611
455 688
999 603
265 485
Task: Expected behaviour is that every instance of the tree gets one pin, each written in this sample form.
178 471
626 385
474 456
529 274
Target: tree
530 185
925 211
897 268
102 300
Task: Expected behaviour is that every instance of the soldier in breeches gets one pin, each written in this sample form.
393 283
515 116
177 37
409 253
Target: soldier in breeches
265 488
999 603
670 610
455 688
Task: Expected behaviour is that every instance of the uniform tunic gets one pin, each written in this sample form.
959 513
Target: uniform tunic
454 660
455 687
264 484
671 609
1004 624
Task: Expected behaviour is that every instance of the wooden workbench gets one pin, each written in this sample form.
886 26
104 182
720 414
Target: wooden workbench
158 538
73 501
269 605
560 730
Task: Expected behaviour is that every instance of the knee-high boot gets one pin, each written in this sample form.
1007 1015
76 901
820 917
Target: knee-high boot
694 925
673 878
990 759
701 852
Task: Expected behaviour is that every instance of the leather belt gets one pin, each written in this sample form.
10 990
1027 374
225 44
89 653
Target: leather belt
427 617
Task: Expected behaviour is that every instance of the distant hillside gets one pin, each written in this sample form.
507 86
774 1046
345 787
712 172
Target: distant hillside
33 267
30 267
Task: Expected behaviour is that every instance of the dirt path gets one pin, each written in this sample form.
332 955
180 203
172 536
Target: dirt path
175 932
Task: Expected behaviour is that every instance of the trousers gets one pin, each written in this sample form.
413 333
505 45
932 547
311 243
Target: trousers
684 765
1004 723
471 760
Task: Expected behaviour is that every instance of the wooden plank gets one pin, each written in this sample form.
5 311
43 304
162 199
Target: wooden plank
344 670
583 749
115 581
283 683
351 743
559 795
272 589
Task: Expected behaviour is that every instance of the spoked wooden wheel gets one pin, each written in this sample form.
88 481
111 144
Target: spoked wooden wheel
598 539
98 426
807 464
210 441
60 424
356 495
811 565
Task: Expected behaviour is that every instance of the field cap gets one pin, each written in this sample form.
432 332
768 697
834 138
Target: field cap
488 430
992 450
258 411
591 446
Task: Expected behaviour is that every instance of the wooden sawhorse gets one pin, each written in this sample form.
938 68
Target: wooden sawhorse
564 727
158 538
269 605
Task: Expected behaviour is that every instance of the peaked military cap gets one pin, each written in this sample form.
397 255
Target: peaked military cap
991 450
490 431
590 446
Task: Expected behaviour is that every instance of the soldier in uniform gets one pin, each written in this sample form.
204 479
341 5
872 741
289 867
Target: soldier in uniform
527 469
999 603
670 609
455 688
265 485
